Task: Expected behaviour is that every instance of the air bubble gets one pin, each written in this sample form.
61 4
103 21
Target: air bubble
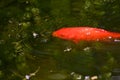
116 40
35 34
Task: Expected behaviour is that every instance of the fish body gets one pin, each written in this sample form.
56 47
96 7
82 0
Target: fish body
77 34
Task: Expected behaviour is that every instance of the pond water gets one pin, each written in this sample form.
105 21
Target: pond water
30 52
63 60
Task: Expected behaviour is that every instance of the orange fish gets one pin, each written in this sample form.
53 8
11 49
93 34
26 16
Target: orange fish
77 34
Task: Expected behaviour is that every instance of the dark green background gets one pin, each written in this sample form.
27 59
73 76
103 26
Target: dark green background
22 54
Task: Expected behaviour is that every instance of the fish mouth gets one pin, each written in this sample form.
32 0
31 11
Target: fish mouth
54 34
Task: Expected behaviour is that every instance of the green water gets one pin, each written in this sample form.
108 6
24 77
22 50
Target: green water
29 52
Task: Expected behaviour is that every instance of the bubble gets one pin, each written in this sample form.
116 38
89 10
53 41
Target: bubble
27 77
116 40
87 77
35 34
86 49
67 49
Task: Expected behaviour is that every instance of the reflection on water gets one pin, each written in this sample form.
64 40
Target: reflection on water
85 61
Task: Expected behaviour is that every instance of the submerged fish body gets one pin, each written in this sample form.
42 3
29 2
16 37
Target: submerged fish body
77 34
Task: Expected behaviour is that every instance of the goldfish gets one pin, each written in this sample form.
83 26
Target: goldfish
77 34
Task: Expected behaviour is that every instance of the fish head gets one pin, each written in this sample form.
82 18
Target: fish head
63 33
